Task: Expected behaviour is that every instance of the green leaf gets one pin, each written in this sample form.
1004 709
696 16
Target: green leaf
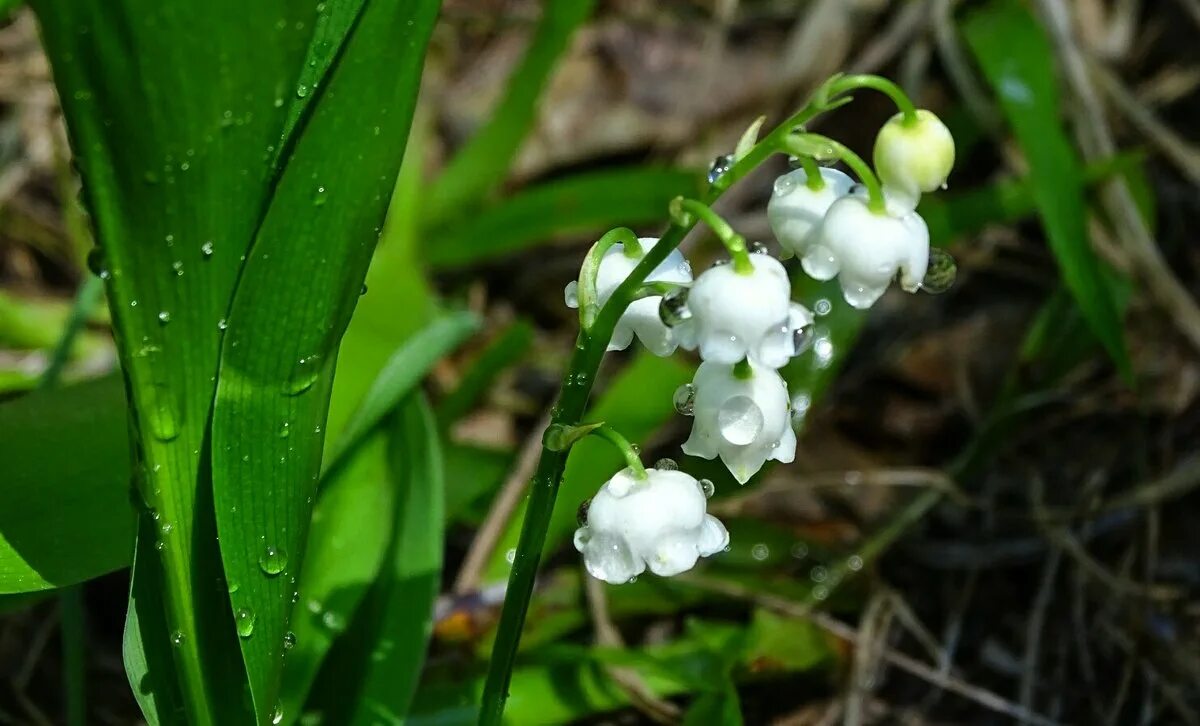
627 408
481 165
372 671
405 369
583 203
351 527
715 708
65 515
1017 59
292 305
149 663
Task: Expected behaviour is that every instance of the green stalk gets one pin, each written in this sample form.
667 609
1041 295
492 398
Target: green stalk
612 436
734 242
588 302
801 145
812 172
879 83
572 404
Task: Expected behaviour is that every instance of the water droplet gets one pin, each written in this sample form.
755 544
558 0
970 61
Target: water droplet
799 550
273 560
285 430
301 91
167 528
244 619
96 262
363 290
822 307
582 512
800 405
571 294
759 248
289 640
785 185
277 714
304 375
222 324
206 249
163 419
666 465
511 555
319 197
177 266
719 262
760 551
685 399
177 638
707 487
164 317
333 621
820 592
740 420
313 606
818 574
802 338
160 545
941 273
719 167
673 307
855 563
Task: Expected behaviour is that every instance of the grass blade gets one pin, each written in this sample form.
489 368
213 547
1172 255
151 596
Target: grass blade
1015 55
592 201
480 166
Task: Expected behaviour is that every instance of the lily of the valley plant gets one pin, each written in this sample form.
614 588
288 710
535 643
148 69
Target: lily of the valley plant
740 319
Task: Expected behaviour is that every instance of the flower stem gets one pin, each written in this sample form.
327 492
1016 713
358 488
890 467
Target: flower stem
812 172
632 458
734 242
803 143
572 404
883 85
589 305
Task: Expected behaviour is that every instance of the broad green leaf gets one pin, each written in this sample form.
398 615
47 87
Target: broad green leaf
293 303
65 514
481 165
588 202
351 527
626 407
405 369
149 663
1017 59
175 112
715 708
372 672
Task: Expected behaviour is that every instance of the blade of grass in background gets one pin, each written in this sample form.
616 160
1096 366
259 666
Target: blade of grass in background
481 165
592 201
65 515
1012 49
292 305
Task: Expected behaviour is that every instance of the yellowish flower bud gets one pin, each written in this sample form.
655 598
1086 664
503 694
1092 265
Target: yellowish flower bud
914 158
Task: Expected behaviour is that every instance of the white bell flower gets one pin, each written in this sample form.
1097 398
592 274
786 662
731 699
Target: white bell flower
796 210
865 250
660 522
735 315
745 421
914 158
641 317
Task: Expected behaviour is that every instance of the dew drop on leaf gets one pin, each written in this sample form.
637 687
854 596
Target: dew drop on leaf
244 620
273 560
289 640
304 375
333 621
720 166
177 638
206 249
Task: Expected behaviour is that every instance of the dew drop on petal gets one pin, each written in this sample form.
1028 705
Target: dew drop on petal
685 399
785 185
707 487
740 420
571 294
802 338
759 248
582 513
942 272
673 308
666 465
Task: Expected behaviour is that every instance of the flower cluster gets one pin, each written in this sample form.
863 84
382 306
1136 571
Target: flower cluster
740 318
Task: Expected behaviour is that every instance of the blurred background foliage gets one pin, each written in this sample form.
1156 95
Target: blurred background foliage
1003 476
